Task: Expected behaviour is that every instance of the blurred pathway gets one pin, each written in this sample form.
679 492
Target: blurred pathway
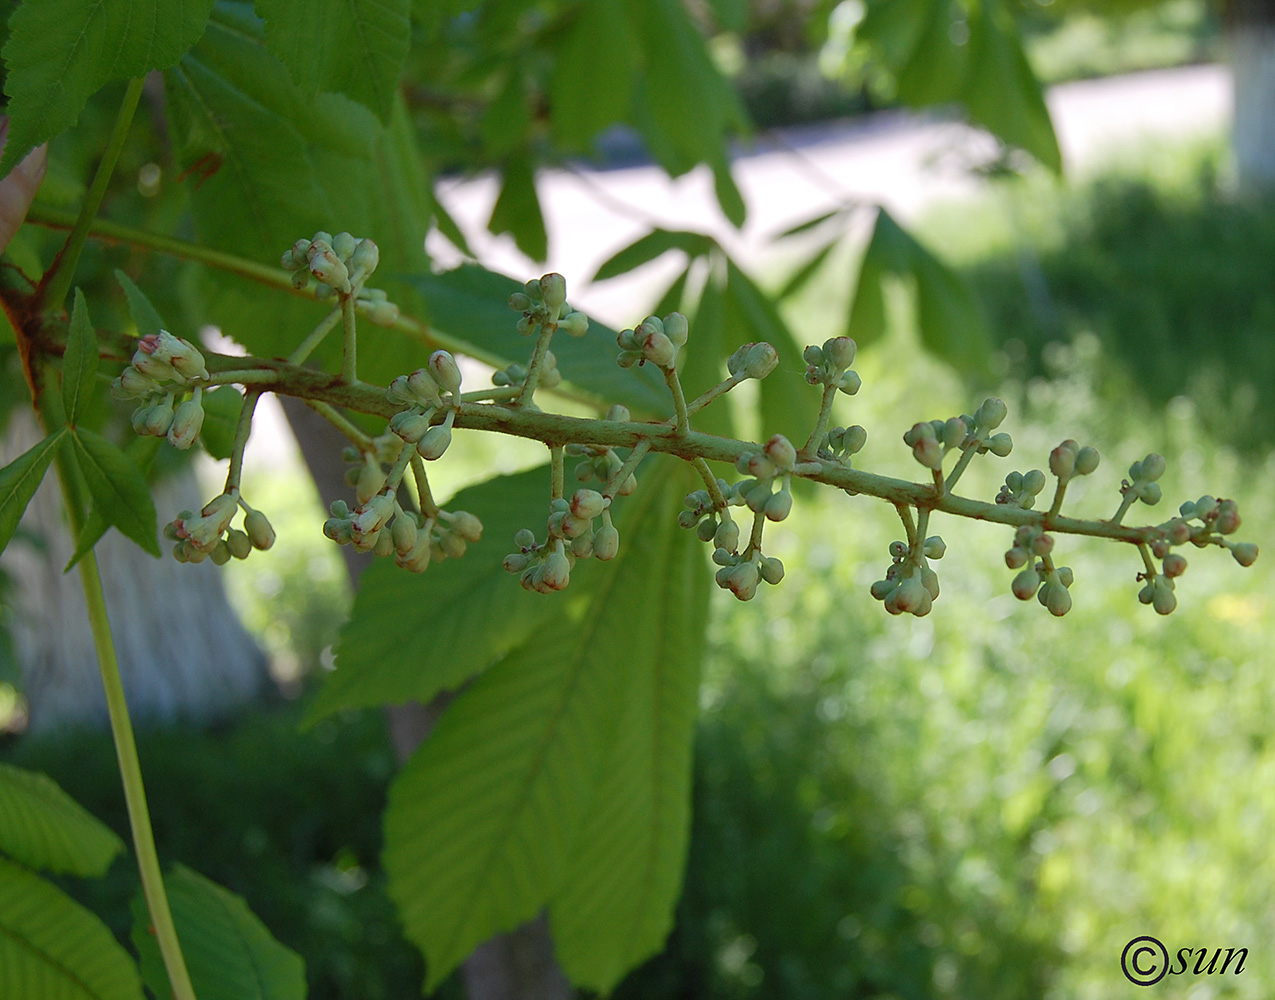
901 160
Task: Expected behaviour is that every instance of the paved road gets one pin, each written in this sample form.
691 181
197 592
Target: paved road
902 161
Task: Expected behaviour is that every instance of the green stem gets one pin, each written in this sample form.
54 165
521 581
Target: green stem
242 430
704 398
315 338
1147 561
533 367
682 419
959 468
909 529
624 471
125 748
134 791
710 483
349 367
811 446
558 472
425 497
1126 501
56 282
754 537
1056 506
338 420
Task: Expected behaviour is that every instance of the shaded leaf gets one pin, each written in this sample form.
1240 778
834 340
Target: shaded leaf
936 69
625 873
583 101
145 316
466 613
788 405
61 52
517 209
221 416
801 277
229 952
44 828
118 488
54 949
355 47
79 363
707 350
652 245
19 481
142 451
483 820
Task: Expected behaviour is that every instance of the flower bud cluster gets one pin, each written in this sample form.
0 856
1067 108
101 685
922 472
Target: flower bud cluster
161 369
753 361
334 261
602 464
1141 484
424 392
710 525
910 586
740 574
516 374
931 440
546 566
543 304
208 535
1021 489
1069 460
840 443
758 494
828 365
380 525
655 340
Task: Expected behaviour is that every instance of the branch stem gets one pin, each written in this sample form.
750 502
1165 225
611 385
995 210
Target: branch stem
242 430
682 418
811 446
56 282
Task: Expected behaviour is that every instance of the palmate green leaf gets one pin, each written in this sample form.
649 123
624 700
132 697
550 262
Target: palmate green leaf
584 101
935 71
44 828
118 488
1001 91
79 363
788 405
229 952
61 52
517 209
267 165
19 481
654 244
471 305
624 877
951 324
52 948
352 47
410 637
483 821
141 451
145 316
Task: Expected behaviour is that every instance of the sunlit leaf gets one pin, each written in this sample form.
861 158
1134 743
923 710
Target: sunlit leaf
79 363
118 488
45 829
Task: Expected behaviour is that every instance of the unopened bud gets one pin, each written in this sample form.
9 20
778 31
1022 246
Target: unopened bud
991 414
434 442
574 324
658 349
781 451
467 526
445 371
839 352
1087 460
187 423
553 289
606 543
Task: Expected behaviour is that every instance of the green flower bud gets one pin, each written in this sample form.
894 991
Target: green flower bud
934 547
365 257
1042 544
1026 583
435 442
1162 596
928 452
772 570
706 529
676 328
187 423
1179 531
525 538
574 324
606 542
343 245
1064 574
1245 553
688 519
132 384
451 545
1062 460
991 414
1016 558
1014 482
1205 506
220 553
781 451
258 529
727 536
520 302
1150 494
557 570
516 562
1228 516
742 580
1152 469
371 480
159 419
339 529
1174 565
410 425
1033 482
295 256
442 366
1160 548
753 361
813 355
619 413
587 504
911 597
658 349
954 432
467 526
403 532
921 431
384 547
850 383
930 580
553 290
369 518
839 352
1000 445
328 268
1087 460
881 589
779 505
1055 597
238 543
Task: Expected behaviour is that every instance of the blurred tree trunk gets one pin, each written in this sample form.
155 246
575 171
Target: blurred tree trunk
182 652
1251 36
516 966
